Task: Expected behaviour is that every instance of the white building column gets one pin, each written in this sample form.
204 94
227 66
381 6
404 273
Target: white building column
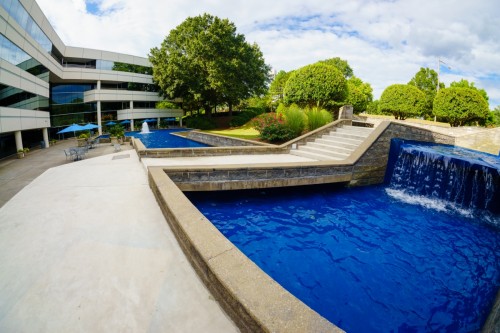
132 128
99 122
158 123
45 133
19 140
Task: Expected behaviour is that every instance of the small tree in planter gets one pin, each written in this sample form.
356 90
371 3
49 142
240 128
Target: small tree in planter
116 132
20 153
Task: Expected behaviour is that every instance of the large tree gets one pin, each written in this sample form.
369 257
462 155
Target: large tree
466 84
318 84
426 80
402 101
341 64
359 94
460 105
277 86
206 63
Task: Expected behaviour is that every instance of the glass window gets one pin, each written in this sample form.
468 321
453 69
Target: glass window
13 54
21 16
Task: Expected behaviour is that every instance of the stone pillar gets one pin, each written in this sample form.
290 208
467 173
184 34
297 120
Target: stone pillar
45 133
345 112
131 124
19 140
158 123
180 123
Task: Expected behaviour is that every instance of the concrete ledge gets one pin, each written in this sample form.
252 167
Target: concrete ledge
254 301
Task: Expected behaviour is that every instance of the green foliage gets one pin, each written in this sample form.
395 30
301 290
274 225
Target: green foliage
340 64
206 63
426 80
117 131
83 136
402 101
200 122
359 95
373 107
272 127
317 117
295 120
281 109
245 116
277 86
130 68
466 84
460 105
166 105
317 84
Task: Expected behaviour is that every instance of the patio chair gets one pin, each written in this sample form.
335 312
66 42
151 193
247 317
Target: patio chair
68 153
117 147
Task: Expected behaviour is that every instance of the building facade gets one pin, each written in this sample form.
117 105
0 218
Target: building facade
46 85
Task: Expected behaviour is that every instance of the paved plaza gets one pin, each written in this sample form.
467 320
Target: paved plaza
84 247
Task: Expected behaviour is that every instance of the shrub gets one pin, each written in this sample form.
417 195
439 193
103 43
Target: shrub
200 122
272 127
460 106
317 117
117 131
245 116
295 120
402 100
83 136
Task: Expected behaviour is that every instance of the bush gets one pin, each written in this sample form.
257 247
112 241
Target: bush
403 101
200 122
295 120
117 131
460 106
317 117
272 127
245 116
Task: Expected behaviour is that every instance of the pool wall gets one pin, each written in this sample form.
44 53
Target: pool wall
253 300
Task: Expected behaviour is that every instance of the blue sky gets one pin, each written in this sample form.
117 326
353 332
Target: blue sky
385 42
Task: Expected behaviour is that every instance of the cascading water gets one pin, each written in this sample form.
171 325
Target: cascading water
465 179
145 128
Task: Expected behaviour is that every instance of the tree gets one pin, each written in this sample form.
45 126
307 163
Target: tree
340 64
316 85
277 86
359 94
426 80
402 101
466 84
460 105
206 63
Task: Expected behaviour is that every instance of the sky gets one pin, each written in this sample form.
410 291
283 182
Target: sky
384 42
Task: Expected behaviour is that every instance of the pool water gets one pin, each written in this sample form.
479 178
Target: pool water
364 258
164 139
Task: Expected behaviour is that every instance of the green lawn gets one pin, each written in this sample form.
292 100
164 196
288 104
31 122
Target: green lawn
244 132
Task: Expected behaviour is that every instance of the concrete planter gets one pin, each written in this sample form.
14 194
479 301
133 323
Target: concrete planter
82 142
114 140
20 155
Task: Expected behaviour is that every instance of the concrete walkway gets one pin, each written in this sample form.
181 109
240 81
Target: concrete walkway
84 247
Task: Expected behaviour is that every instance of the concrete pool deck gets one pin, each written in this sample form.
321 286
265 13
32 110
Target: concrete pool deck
85 247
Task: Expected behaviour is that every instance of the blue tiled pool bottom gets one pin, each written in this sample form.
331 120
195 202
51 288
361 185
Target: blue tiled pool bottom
363 259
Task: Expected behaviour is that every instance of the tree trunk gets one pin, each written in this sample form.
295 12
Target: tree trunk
208 111
230 109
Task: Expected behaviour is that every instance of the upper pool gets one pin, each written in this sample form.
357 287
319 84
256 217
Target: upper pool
164 138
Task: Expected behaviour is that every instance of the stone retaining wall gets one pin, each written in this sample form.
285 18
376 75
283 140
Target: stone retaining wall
253 300
221 140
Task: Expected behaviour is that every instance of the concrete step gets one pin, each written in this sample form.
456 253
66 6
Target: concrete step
347 135
336 137
327 152
337 143
336 146
314 156
358 128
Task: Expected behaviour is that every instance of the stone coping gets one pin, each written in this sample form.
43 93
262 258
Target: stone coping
254 301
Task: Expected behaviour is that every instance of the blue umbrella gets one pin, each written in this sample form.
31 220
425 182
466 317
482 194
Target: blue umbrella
90 126
110 123
73 128
149 120
123 122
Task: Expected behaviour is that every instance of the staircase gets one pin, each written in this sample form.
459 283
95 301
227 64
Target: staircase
336 145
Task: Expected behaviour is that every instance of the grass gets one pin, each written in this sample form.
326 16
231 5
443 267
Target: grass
244 132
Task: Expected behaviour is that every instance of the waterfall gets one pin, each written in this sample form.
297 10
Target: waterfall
468 179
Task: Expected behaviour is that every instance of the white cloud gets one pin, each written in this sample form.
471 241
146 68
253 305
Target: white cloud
385 42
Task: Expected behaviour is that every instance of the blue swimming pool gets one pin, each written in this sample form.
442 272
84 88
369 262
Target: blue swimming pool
363 258
164 139
398 257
